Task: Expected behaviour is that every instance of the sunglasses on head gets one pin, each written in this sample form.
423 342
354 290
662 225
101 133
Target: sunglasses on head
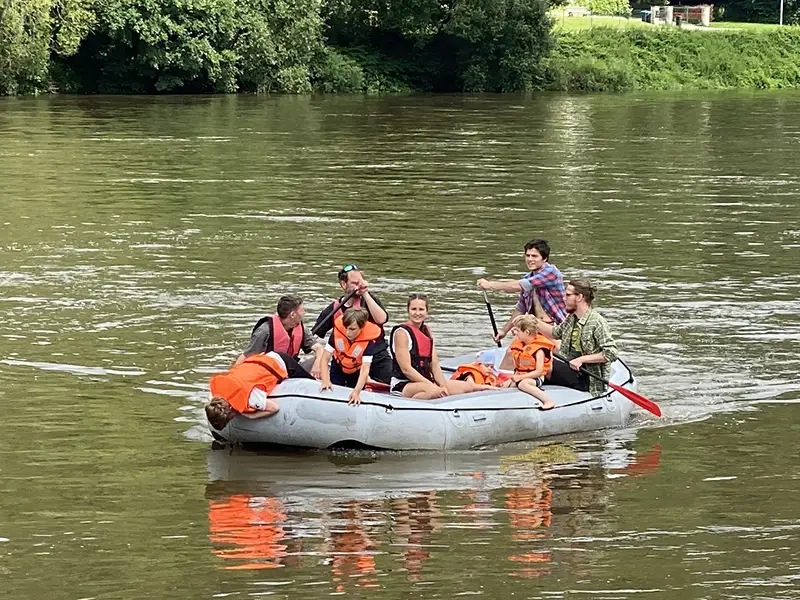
348 268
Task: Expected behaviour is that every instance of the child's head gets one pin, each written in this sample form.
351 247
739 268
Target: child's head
353 320
219 413
527 328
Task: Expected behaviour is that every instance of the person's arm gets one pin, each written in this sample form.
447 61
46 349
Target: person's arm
537 372
374 306
325 372
608 348
402 354
499 286
436 371
310 343
272 408
509 325
363 375
262 405
551 331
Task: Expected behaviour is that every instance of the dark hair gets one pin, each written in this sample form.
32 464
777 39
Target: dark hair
417 296
585 288
219 413
287 304
344 273
355 314
541 246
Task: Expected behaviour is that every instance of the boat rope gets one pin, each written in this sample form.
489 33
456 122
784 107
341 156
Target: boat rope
455 410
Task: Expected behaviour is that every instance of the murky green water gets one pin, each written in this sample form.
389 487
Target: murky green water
141 238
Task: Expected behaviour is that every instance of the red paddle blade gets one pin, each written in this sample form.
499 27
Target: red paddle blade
645 403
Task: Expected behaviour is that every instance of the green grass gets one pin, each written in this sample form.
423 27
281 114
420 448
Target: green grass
576 23
669 58
745 26
581 23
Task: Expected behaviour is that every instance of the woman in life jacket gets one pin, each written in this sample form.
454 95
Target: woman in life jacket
352 345
533 359
415 365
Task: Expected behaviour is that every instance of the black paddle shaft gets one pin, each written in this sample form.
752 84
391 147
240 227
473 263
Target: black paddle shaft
321 324
491 317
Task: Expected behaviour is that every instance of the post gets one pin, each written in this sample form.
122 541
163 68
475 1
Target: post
780 22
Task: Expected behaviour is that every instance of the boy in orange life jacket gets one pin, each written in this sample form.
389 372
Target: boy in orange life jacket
533 359
352 345
243 389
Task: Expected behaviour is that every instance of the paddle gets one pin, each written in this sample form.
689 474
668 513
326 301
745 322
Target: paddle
645 403
321 324
491 317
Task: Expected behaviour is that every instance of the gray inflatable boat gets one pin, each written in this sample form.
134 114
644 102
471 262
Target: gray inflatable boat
309 418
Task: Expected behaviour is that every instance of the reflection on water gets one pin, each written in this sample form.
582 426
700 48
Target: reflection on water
360 533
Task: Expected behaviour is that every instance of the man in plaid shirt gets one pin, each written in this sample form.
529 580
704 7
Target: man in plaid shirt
541 292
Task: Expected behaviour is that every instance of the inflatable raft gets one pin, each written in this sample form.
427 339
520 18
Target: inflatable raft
309 418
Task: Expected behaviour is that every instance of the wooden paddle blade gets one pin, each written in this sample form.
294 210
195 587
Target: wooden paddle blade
638 399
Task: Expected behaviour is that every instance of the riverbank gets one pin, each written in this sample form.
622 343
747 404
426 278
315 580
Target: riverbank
605 59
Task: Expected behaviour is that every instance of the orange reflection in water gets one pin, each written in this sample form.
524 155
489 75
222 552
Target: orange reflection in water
529 511
249 528
353 550
415 521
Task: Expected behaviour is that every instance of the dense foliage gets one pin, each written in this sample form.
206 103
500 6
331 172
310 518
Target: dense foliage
146 46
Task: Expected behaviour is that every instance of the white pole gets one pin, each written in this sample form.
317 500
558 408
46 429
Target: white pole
781 18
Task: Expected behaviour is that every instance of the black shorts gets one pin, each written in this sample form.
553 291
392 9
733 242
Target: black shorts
381 368
563 374
339 377
398 387
293 368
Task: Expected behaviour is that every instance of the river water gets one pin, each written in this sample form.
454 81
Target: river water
142 237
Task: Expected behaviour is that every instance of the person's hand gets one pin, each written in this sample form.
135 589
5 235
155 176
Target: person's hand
442 391
500 335
354 398
576 363
483 284
316 370
516 377
363 287
325 385
508 383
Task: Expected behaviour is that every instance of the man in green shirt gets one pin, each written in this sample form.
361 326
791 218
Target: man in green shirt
585 339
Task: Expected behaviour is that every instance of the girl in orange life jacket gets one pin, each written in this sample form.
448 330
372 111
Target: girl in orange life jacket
244 388
352 345
415 369
533 360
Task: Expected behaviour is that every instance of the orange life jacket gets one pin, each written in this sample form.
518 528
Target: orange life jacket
525 356
481 374
263 370
349 354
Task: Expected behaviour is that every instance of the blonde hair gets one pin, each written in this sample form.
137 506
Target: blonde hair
527 323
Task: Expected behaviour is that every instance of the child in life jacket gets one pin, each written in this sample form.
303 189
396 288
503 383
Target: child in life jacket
245 387
533 359
351 345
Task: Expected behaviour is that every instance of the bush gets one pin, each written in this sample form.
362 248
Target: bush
667 58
